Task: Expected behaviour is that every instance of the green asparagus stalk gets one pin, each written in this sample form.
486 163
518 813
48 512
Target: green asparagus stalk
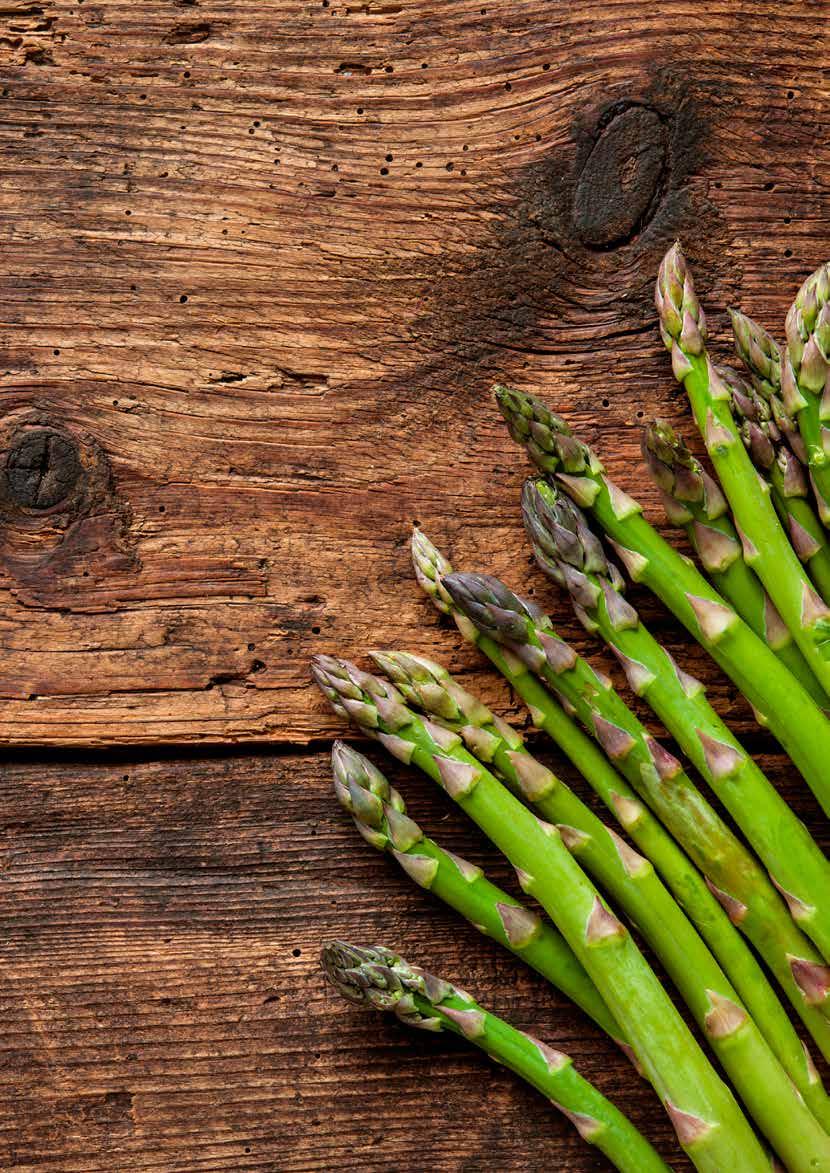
380 815
630 880
804 370
378 978
708 1121
766 547
566 549
658 777
694 502
761 355
652 839
774 459
777 698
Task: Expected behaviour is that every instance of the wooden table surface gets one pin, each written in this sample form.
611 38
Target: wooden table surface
261 262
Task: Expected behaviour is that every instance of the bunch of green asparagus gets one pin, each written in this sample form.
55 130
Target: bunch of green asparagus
702 855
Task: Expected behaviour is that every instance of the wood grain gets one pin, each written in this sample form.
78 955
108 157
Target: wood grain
260 263
163 1007
264 261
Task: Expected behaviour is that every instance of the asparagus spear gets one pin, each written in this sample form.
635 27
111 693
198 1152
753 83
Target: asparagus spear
775 460
761 355
777 698
566 549
688 886
766 547
804 371
378 978
694 502
708 1121
660 781
380 816
631 881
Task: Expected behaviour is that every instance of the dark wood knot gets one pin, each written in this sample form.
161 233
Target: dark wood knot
42 468
620 184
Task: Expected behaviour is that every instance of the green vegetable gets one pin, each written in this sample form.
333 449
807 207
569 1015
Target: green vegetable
760 354
380 816
567 550
659 779
378 978
708 1121
694 502
804 370
630 880
778 699
766 546
774 460
687 884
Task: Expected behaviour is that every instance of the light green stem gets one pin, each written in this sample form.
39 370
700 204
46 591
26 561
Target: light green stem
709 1122
767 547
760 1080
380 816
651 838
383 980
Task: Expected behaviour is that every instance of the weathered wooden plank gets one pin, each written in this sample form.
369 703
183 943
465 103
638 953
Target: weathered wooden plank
161 999
261 263
163 1006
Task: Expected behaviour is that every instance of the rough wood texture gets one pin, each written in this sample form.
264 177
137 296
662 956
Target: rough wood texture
260 263
162 1004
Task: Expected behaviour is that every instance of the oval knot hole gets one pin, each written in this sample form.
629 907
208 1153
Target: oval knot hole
42 469
621 180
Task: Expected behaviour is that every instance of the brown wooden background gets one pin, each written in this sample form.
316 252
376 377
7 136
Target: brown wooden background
260 262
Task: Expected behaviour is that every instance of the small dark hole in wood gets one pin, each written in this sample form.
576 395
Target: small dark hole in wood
788 252
315 630
296 952
183 298
251 647
384 170
162 509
